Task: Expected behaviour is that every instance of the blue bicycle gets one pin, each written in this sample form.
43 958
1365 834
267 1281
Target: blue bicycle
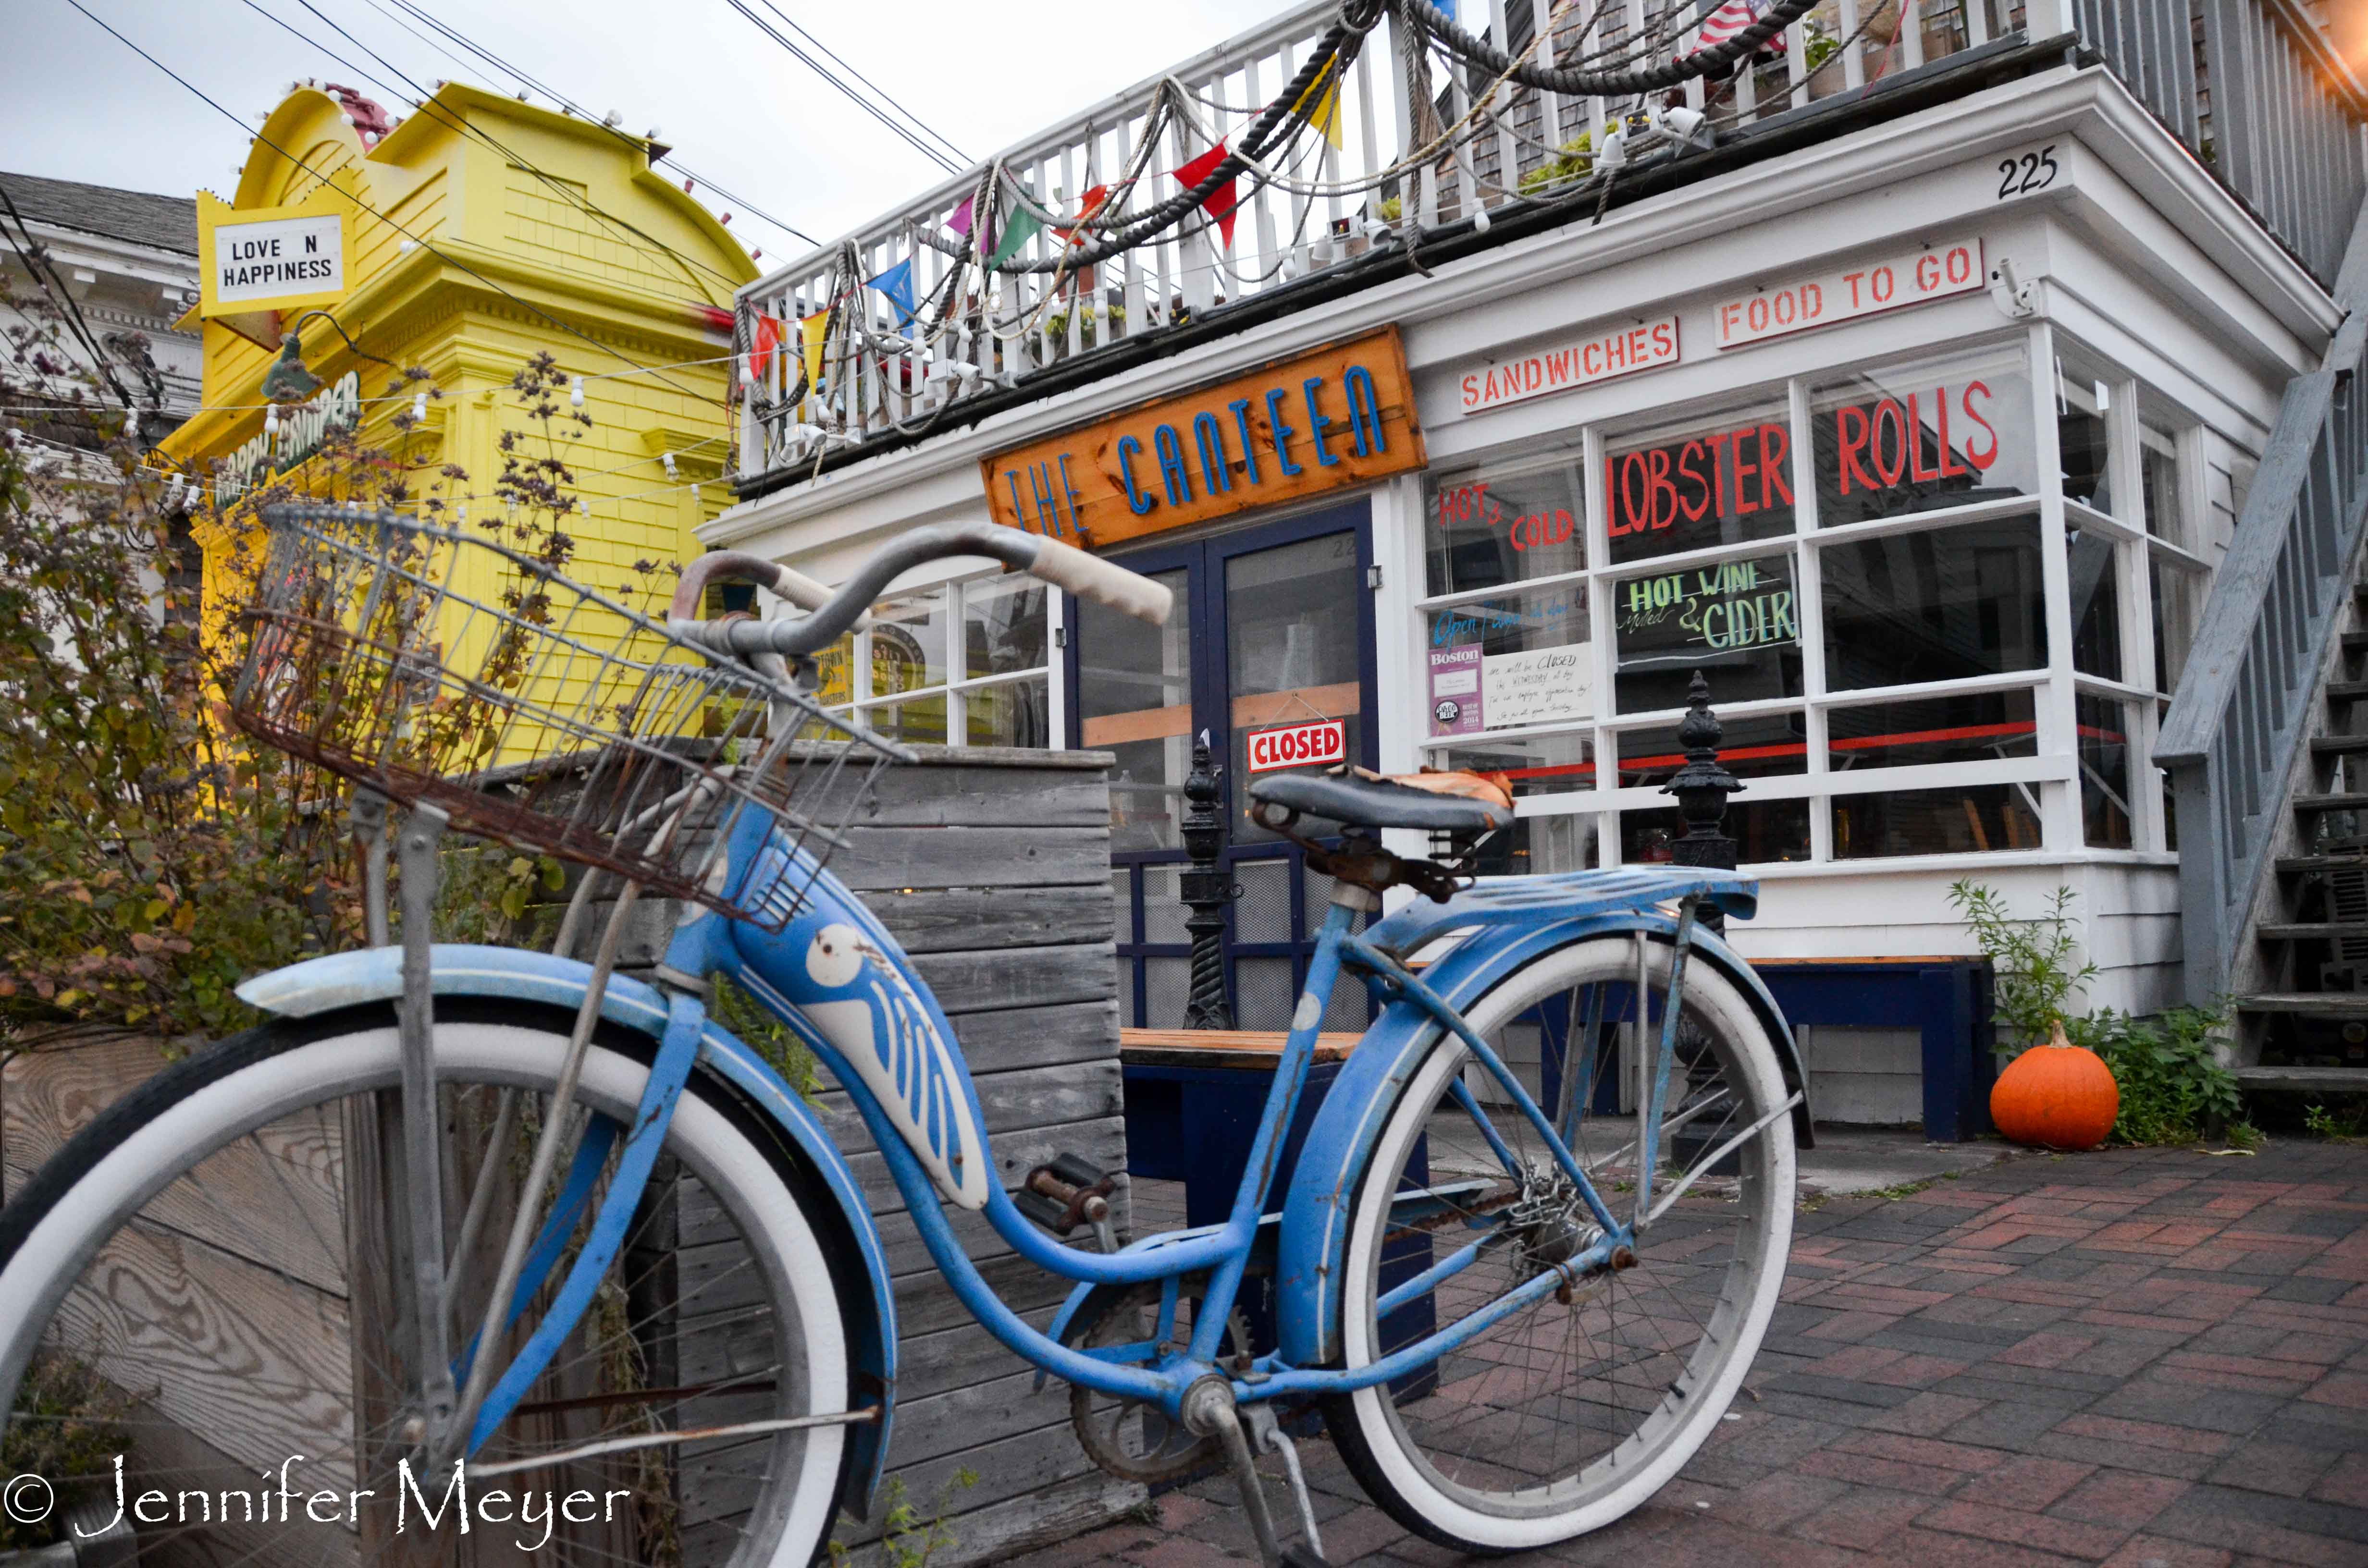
468 1222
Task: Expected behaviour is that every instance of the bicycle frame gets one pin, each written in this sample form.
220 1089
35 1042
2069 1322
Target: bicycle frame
839 982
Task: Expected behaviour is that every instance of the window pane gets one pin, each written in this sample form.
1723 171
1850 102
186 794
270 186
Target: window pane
1540 845
834 673
908 644
1501 663
1738 623
1503 525
2096 606
1003 626
1976 727
1935 605
1293 646
2104 726
1135 700
2158 484
1976 818
2162 779
921 721
2084 430
1913 437
1014 714
2178 595
1763 831
1718 479
1534 765
1750 748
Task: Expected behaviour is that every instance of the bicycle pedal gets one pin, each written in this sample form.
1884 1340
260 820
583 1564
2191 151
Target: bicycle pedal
1066 1194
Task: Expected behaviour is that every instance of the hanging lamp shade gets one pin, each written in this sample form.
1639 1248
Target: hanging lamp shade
288 380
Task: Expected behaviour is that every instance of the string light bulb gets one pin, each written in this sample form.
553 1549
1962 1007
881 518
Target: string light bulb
574 391
419 408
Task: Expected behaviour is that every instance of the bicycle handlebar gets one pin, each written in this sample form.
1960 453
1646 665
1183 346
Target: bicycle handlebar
1062 566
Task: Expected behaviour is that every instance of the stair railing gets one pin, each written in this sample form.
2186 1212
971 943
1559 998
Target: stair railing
2244 705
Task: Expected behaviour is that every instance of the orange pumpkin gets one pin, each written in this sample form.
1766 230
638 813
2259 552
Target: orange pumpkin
2059 1096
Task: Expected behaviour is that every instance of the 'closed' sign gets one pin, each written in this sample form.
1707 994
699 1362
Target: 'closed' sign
1299 746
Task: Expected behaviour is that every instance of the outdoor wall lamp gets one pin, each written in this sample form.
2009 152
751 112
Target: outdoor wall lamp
288 380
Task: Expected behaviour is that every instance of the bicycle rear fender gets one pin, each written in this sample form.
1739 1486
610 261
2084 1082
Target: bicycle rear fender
347 980
1332 1162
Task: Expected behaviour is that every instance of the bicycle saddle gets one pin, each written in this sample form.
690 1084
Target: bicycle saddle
1442 802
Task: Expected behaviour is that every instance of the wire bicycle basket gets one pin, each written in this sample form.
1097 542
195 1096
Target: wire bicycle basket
448 669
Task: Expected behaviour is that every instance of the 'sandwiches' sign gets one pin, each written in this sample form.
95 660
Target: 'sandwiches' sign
1340 416
1596 353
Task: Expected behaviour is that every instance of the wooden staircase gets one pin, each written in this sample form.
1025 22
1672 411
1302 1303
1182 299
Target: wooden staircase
2311 1033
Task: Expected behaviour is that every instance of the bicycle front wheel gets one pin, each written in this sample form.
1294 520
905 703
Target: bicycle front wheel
1573 1410
212 1280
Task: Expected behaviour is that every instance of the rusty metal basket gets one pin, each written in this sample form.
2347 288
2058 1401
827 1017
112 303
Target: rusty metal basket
443 667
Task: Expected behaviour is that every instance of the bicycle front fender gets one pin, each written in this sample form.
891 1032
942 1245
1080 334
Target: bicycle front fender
375 974
1332 1161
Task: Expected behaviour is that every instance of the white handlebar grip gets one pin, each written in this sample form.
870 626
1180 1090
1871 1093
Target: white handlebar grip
806 593
1091 577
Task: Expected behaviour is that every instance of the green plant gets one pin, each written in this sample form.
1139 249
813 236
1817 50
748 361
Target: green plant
2341 1122
68 1428
2172 1086
1819 43
906 1540
766 1035
1391 209
2032 983
1574 159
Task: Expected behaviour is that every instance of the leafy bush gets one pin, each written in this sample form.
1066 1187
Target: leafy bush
2173 1089
2032 983
68 1428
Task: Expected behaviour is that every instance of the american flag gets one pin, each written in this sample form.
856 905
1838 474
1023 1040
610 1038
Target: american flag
1727 21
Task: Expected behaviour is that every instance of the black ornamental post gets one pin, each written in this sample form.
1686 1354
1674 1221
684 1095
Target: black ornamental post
1701 786
1207 889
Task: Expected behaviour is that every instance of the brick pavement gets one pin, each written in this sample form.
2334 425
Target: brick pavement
2146 1358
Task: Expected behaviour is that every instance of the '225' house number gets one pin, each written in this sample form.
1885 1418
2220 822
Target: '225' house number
2031 171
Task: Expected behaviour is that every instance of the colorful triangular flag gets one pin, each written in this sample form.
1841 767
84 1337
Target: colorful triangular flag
896 286
1089 207
1219 203
959 221
765 338
1325 93
1018 230
812 329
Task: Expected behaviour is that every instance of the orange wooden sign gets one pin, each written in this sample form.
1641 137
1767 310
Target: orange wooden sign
1340 416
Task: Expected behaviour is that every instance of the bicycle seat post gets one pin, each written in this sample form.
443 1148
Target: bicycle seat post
422 836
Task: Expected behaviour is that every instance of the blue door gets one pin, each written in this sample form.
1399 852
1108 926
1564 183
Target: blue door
1272 638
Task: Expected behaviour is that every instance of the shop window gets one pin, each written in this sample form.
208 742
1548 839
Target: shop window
918 721
1505 662
1738 621
1487 526
1763 831
1011 713
2176 598
1541 846
1913 437
2158 484
2084 403
1532 765
2095 569
909 642
2104 728
1135 702
1003 626
1720 479
1938 604
1971 819
1755 747
1980 726
834 673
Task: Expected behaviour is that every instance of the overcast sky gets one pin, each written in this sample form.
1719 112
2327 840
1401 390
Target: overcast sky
75 104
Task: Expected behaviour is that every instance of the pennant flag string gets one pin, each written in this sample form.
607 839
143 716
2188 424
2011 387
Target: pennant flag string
765 338
1326 114
1220 203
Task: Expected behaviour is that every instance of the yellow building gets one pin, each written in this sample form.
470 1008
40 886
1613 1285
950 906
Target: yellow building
482 231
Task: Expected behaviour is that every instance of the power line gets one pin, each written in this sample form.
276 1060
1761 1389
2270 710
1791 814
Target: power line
866 105
503 66
428 246
791 23
37 262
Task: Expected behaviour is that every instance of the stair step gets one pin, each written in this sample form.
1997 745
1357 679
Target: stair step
2308 930
2328 1080
2308 1004
2355 641
2346 690
2338 746
2304 865
2330 802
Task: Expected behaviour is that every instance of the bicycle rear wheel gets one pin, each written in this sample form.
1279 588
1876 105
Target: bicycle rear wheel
212 1279
1568 1413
